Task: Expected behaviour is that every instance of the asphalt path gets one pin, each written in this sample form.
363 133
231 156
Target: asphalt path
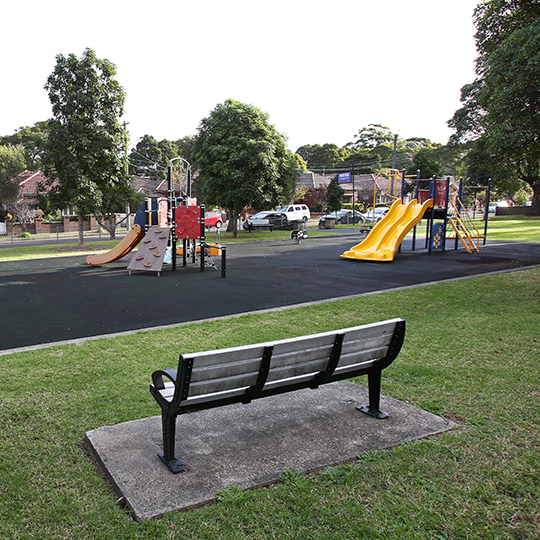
58 299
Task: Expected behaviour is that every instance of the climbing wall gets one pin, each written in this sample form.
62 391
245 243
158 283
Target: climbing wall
151 252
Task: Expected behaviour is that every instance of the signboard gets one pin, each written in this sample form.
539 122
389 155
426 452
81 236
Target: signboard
344 177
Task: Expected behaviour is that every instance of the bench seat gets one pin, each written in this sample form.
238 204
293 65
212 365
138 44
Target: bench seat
240 374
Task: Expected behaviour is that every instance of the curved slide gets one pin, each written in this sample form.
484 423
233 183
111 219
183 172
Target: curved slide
383 241
130 241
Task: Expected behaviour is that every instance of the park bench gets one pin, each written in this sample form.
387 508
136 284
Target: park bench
216 378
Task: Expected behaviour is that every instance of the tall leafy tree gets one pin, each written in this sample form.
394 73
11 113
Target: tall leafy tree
372 136
150 158
500 119
424 161
33 139
334 194
323 156
12 163
243 159
86 147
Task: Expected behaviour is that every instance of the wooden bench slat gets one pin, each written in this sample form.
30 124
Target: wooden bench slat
220 385
232 369
355 357
276 378
310 361
228 369
233 354
283 372
292 358
285 353
208 358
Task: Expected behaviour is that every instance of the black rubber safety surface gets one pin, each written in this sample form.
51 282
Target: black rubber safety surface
57 299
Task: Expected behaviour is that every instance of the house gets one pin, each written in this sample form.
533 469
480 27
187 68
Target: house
363 189
151 187
30 220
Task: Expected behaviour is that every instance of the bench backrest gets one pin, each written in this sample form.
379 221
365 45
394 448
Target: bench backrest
252 371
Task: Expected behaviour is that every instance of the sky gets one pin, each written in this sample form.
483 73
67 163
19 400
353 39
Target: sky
320 70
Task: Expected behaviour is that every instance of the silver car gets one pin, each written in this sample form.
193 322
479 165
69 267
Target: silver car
372 216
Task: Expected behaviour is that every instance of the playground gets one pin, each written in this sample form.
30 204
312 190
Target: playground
441 205
81 301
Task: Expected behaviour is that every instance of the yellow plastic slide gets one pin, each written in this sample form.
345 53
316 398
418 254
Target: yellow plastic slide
132 238
383 241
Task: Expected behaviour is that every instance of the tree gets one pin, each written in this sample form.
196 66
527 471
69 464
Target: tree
33 139
243 159
334 194
86 147
150 158
500 119
326 155
372 136
423 160
12 163
23 210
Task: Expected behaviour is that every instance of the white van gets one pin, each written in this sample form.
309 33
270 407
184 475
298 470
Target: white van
295 212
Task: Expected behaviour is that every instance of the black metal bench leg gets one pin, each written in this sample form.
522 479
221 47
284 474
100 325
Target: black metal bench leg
374 386
167 456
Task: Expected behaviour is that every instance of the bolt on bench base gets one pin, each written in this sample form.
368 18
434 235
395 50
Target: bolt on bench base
175 465
375 413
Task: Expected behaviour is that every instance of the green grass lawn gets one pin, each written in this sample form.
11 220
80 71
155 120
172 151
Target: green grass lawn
514 228
471 354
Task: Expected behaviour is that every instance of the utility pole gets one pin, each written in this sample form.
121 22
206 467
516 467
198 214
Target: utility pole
128 209
392 179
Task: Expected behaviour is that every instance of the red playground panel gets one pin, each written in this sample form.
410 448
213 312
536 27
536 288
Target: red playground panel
440 194
187 222
163 208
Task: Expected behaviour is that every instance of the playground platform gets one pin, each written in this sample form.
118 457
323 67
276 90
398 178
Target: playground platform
63 299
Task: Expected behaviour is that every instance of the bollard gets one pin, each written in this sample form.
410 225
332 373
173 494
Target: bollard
223 261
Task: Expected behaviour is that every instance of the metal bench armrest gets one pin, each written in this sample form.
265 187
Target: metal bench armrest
157 377
158 385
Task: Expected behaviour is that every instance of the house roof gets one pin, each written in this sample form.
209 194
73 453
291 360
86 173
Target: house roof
29 181
149 186
153 188
312 180
28 184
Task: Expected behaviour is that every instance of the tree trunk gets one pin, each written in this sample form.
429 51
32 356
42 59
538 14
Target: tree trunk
535 204
81 228
229 221
234 219
112 226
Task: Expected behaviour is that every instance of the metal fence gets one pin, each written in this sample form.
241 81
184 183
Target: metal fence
59 237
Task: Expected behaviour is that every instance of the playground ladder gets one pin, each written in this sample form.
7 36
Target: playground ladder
464 227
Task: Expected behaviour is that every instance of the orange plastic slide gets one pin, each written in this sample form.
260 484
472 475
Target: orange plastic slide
129 242
383 241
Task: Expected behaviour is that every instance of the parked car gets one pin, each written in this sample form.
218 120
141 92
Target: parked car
342 217
295 212
375 215
265 220
212 219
